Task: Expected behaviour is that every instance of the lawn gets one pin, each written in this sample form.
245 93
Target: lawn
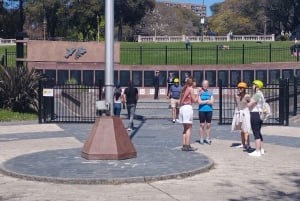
205 53
133 53
11 51
6 115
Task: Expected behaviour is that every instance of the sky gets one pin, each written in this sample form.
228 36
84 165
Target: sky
208 3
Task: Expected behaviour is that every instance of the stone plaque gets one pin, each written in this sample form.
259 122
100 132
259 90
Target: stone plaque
261 75
148 78
297 73
210 75
162 78
76 75
288 74
124 78
137 78
235 77
62 76
184 75
116 77
175 73
88 77
99 77
198 75
223 76
274 76
248 76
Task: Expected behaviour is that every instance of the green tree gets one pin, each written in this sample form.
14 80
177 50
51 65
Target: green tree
130 12
255 17
160 21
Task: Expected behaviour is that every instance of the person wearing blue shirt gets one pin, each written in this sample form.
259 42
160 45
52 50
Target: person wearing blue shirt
206 101
175 91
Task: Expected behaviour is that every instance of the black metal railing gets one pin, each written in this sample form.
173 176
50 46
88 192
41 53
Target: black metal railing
77 103
219 54
8 58
279 96
68 103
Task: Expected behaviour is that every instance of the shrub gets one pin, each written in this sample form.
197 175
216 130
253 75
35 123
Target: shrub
19 89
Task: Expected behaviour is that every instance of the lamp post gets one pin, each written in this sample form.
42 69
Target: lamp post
98 29
202 21
44 28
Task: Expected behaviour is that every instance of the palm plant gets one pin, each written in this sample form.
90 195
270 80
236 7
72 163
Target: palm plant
19 88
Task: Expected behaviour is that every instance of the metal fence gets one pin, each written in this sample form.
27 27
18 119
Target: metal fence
221 54
77 103
9 58
68 103
283 99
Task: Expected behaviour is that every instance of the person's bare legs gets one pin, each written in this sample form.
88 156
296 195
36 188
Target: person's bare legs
201 131
258 145
246 139
243 139
187 134
173 113
208 130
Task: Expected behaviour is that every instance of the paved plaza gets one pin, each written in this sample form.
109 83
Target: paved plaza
37 152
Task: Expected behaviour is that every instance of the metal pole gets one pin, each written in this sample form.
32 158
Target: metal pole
109 53
98 28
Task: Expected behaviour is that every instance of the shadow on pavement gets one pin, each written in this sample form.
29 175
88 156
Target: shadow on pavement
142 121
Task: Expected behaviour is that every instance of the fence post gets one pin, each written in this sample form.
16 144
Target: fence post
220 102
5 57
243 52
270 52
141 55
281 102
40 94
295 95
166 54
217 54
287 100
191 55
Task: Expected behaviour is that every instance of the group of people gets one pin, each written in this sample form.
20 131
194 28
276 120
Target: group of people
246 117
128 99
181 99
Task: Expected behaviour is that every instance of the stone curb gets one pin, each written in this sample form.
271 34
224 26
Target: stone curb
114 181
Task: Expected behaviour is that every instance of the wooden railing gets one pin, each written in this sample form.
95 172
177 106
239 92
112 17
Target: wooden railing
7 41
227 38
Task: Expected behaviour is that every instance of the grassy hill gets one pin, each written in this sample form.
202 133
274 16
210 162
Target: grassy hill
199 53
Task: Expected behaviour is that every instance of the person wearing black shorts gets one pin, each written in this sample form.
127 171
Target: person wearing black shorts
206 100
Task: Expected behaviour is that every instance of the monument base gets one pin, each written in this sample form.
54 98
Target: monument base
108 140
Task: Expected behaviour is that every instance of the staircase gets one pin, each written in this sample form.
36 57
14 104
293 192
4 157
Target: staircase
161 109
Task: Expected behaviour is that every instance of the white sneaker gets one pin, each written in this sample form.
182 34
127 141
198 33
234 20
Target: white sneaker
239 146
129 129
262 151
255 153
177 120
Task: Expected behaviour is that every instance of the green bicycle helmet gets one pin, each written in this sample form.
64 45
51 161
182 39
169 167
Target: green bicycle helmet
258 83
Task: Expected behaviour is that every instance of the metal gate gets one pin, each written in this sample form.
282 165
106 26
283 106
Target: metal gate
68 103
277 95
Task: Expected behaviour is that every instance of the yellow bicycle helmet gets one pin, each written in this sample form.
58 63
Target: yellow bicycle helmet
242 85
176 80
258 83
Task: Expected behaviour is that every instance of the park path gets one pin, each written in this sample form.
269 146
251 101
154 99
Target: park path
235 176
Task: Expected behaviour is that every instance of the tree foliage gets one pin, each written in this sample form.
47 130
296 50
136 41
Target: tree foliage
164 20
253 16
73 19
